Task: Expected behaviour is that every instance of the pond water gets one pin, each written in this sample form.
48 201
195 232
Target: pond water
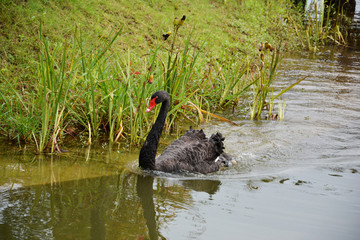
296 179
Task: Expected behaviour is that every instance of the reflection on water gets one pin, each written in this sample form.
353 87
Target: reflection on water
123 205
144 189
296 179
354 39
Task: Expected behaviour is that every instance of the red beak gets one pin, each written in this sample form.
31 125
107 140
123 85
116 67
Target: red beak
151 105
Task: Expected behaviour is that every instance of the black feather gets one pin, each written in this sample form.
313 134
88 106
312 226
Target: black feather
192 152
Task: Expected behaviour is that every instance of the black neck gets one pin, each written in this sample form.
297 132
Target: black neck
148 151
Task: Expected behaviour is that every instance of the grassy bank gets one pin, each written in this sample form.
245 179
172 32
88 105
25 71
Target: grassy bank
87 68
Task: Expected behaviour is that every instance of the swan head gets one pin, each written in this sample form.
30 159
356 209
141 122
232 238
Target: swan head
156 98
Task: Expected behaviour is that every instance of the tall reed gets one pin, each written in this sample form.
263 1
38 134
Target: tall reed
233 74
322 26
52 90
94 70
18 118
263 93
91 90
179 69
266 75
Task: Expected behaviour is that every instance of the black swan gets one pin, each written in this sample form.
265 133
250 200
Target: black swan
192 152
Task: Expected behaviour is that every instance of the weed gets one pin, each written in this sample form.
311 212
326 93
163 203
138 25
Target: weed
264 77
322 26
95 81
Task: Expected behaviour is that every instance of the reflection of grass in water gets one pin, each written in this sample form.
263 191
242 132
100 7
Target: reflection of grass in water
281 110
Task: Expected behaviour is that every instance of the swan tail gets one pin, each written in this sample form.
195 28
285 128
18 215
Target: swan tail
218 141
195 134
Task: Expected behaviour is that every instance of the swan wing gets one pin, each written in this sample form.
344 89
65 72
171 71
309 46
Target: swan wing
192 152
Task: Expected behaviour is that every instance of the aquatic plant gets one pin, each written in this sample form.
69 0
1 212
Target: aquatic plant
52 90
322 26
264 76
105 93
86 86
17 119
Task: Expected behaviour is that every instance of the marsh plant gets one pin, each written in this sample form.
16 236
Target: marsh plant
263 93
81 90
191 89
265 75
93 91
322 25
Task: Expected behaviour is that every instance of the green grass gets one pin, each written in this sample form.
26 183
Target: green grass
92 74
